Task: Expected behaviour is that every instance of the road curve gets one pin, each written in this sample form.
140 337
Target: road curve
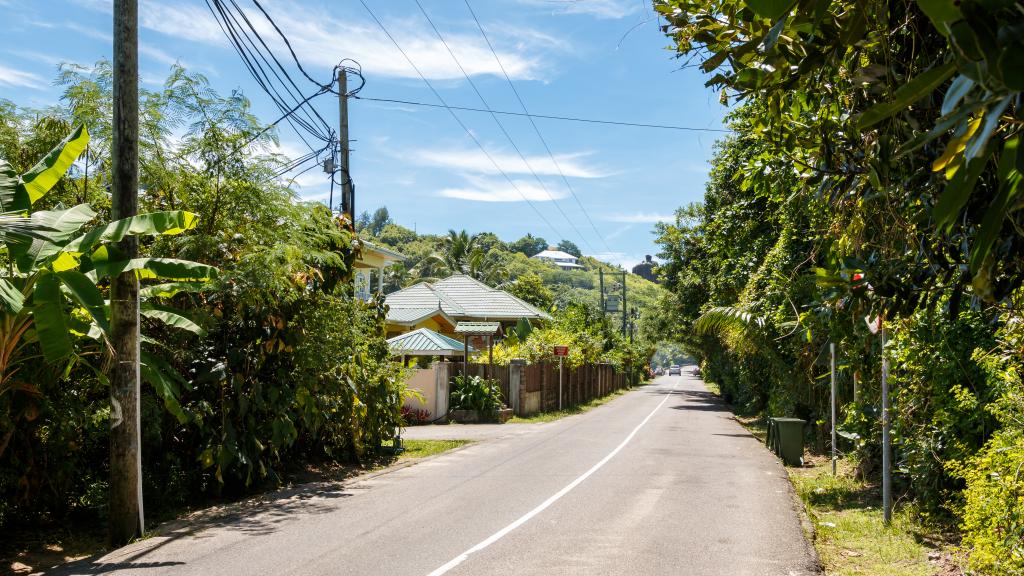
659 481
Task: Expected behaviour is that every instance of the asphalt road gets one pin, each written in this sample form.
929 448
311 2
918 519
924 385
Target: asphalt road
658 481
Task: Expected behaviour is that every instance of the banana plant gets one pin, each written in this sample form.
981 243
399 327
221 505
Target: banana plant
58 272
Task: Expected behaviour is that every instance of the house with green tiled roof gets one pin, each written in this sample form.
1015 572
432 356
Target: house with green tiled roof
440 305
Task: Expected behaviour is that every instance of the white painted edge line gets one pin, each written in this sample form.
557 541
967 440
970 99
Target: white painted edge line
553 498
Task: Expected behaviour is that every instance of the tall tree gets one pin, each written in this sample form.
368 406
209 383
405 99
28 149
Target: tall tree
529 245
569 247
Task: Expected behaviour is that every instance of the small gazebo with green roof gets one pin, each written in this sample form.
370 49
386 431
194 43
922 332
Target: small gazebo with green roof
426 342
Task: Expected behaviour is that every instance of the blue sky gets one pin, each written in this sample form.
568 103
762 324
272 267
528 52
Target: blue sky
603 59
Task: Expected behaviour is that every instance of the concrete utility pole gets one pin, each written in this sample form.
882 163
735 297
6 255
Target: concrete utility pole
126 516
348 199
625 304
832 401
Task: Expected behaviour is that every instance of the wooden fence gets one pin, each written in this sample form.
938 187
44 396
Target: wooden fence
539 386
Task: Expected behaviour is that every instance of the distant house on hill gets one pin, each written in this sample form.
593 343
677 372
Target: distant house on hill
645 269
563 260
440 305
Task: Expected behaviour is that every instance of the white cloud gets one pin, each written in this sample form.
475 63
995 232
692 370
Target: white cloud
185 21
12 77
321 41
605 9
493 190
623 259
640 218
476 161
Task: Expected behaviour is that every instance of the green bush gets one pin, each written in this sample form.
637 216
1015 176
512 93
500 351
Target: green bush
475 393
993 512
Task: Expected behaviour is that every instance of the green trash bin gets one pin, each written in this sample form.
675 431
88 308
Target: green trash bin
786 439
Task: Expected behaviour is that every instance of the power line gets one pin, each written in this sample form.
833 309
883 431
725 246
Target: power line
457 119
536 129
274 79
546 116
502 127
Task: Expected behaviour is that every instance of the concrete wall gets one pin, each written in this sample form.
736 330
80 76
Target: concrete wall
432 383
425 381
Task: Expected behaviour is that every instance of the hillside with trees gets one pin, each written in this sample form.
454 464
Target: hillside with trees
506 265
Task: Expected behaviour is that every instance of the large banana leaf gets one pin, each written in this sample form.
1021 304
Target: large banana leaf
169 289
8 186
47 310
165 381
22 230
61 225
151 268
85 293
11 298
151 224
171 317
41 178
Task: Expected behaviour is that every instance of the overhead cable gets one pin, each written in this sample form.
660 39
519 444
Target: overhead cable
501 126
554 160
546 116
451 111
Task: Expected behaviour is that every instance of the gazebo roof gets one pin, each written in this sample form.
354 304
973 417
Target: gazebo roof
478 328
426 342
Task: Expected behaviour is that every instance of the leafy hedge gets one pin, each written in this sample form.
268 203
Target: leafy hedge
280 365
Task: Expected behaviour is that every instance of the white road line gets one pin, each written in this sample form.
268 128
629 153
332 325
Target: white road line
554 498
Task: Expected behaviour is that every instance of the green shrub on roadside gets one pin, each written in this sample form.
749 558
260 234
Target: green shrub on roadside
993 513
475 393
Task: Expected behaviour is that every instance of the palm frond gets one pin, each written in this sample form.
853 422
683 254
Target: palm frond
723 318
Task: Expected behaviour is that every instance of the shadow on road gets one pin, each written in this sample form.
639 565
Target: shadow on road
256 517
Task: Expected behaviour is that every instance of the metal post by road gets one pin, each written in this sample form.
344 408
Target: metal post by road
348 199
833 405
126 516
886 440
560 358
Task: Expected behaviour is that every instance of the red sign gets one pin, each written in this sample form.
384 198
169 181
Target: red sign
561 350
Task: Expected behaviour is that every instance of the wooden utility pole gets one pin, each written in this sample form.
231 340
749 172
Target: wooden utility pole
126 519
600 278
348 199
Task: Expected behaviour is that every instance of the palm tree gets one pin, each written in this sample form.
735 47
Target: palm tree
462 254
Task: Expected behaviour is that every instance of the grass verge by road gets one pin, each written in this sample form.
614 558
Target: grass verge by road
576 409
851 538
849 534
422 448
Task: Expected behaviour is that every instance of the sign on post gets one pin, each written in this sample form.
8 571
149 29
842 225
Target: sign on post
561 352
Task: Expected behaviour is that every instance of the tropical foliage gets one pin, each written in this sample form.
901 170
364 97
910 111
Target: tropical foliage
477 394
873 171
270 362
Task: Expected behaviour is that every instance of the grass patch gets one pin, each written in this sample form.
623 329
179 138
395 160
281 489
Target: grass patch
576 409
422 448
850 536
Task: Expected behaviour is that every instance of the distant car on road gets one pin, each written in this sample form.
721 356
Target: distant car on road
675 369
